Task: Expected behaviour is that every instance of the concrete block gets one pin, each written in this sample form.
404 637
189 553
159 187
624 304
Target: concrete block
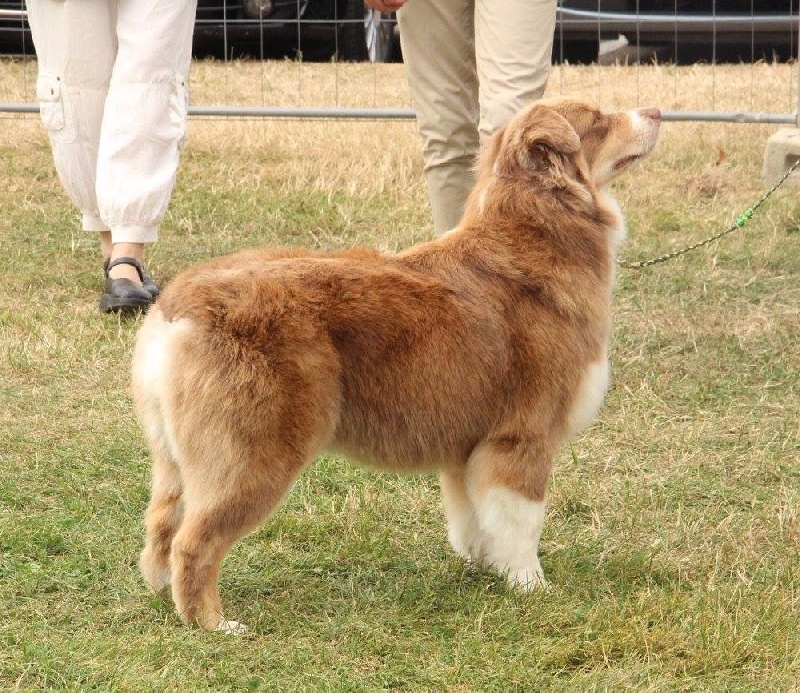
782 150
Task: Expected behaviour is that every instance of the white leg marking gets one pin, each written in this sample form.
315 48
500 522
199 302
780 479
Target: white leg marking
511 525
462 523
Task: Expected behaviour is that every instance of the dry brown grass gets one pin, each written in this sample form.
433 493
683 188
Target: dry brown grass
759 87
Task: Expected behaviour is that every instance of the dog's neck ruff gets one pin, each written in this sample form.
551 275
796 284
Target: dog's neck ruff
618 231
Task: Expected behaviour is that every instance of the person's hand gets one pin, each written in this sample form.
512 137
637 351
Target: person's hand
385 5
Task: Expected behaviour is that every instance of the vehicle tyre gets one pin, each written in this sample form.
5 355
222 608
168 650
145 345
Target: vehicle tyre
367 34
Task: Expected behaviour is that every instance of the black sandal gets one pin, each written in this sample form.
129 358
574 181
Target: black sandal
147 281
124 295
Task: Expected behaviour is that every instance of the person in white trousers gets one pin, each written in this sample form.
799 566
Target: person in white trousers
471 65
112 91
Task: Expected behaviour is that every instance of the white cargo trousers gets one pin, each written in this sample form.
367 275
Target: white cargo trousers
471 66
112 89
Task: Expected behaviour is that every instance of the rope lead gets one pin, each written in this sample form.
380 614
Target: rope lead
741 220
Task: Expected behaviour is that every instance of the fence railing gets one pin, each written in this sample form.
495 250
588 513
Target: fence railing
575 23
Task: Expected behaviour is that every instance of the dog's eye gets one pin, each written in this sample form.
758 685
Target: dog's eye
598 130
591 123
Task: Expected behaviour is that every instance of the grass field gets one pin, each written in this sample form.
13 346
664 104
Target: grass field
673 531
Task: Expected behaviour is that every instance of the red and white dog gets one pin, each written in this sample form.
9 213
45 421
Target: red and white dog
476 354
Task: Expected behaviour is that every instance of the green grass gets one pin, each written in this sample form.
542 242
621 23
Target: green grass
672 537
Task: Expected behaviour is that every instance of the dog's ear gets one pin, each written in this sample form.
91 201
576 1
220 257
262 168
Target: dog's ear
538 140
489 153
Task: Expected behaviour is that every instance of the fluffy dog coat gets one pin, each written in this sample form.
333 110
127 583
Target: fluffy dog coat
477 354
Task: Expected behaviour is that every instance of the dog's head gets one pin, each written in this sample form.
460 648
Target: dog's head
563 142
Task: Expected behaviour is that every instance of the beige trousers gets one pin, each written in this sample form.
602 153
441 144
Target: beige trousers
471 65
113 98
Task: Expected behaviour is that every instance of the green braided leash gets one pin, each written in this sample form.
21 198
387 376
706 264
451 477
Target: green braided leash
741 220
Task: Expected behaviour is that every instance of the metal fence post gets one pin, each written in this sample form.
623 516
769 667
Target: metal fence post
797 104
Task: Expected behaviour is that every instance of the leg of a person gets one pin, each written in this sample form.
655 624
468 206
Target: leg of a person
75 46
144 123
437 38
513 48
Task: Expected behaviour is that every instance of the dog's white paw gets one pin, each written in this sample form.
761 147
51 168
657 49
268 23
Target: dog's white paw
527 579
230 627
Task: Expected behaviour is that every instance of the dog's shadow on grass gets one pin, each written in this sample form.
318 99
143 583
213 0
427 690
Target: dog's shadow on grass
270 595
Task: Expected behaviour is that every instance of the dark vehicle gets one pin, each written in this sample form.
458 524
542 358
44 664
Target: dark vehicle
307 29
683 31
680 30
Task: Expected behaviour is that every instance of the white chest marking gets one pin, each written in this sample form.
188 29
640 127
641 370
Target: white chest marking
590 396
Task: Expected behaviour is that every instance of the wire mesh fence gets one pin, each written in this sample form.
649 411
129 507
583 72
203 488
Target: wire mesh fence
734 61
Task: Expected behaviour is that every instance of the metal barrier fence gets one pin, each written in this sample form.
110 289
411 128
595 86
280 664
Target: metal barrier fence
615 36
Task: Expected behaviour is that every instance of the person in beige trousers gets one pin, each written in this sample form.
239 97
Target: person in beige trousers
471 65
112 92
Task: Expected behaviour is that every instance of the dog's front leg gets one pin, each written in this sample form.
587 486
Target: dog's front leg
463 530
506 482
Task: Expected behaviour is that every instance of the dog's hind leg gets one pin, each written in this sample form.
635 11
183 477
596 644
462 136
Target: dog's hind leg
162 520
506 482
219 508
